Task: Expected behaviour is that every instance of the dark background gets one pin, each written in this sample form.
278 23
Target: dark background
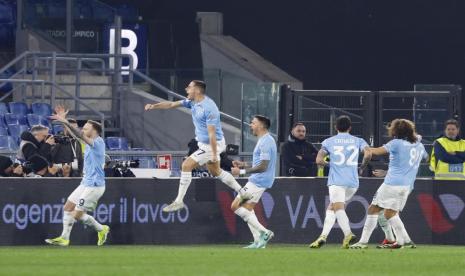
341 44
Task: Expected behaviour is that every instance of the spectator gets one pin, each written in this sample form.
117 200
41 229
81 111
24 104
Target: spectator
448 154
298 155
68 152
35 142
9 169
38 166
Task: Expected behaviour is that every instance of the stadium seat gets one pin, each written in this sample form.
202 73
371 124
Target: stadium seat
3 108
34 119
147 163
57 128
8 143
117 143
19 108
3 130
16 130
43 109
14 119
2 121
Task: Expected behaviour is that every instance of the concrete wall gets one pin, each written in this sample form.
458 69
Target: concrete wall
161 129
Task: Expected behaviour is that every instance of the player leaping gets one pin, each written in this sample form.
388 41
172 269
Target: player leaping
262 173
343 150
85 197
209 135
405 155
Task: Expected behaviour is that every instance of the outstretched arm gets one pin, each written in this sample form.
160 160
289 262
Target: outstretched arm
60 116
378 151
163 105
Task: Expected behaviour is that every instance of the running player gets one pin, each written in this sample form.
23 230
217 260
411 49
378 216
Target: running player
343 150
85 197
209 135
405 154
262 173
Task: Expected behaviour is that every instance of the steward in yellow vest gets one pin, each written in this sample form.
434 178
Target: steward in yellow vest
448 154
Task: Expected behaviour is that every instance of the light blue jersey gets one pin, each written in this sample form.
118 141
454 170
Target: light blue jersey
264 150
343 150
94 161
204 114
404 160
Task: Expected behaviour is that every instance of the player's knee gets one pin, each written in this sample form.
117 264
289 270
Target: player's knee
337 206
69 206
388 214
235 205
215 171
373 209
186 166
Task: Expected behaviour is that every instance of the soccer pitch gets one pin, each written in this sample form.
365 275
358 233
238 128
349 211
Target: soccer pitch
229 260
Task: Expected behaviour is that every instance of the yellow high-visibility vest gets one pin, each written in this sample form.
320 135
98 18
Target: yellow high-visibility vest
443 170
321 170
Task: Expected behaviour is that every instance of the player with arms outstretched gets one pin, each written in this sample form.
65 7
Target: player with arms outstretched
343 150
405 154
262 173
209 135
85 197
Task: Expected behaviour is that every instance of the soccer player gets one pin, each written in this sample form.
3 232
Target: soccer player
405 154
262 173
209 135
85 197
343 150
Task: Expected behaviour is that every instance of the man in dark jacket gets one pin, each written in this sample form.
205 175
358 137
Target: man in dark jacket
35 142
298 155
68 152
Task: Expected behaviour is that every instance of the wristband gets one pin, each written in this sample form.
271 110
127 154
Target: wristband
242 172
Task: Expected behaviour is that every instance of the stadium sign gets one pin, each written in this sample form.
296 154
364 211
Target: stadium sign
31 210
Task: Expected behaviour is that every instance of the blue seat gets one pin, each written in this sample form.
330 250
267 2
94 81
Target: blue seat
43 109
14 119
117 143
3 130
8 143
2 121
34 119
146 163
16 130
19 108
57 128
3 108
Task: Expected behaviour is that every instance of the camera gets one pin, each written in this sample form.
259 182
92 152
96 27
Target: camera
62 139
120 168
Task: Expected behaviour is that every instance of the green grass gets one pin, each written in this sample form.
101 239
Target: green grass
230 260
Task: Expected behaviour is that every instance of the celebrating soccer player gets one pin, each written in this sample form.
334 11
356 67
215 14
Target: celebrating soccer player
85 197
343 150
262 173
405 155
209 135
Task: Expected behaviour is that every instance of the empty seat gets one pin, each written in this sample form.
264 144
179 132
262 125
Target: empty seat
3 108
2 121
16 130
3 131
19 108
117 143
34 119
15 119
43 109
8 143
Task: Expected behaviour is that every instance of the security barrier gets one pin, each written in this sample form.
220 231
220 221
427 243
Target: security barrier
31 210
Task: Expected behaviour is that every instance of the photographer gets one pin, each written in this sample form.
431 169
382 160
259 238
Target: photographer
119 168
38 166
67 152
35 142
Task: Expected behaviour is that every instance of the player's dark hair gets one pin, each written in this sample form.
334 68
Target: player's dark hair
452 122
343 123
96 125
402 129
297 124
264 120
200 84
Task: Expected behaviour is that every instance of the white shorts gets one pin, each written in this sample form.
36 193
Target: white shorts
340 193
391 197
205 154
86 198
256 192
